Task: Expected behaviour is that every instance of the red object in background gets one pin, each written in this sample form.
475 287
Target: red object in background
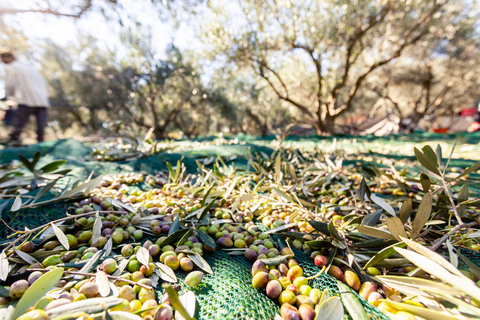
440 130
474 127
468 112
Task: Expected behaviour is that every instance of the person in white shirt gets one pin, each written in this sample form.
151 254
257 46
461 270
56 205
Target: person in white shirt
27 87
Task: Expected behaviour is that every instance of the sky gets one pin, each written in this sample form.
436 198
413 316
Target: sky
65 30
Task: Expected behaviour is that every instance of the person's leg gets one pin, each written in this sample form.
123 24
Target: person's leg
41 113
21 118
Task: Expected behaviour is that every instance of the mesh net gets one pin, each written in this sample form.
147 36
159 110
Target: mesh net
227 294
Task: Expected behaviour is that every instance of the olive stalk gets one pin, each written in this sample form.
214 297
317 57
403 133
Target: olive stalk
440 241
94 275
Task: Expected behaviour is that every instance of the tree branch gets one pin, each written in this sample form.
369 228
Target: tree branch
82 10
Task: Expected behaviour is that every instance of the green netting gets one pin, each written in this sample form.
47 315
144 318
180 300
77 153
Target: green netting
228 293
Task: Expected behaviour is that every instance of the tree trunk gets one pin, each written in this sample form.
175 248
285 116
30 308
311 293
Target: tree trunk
325 125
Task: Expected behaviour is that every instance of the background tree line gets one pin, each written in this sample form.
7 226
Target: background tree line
258 66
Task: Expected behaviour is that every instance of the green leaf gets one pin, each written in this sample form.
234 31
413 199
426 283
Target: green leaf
473 268
36 291
282 195
274 261
172 173
463 195
473 168
3 266
383 254
278 168
143 256
351 303
206 239
205 210
318 244
81 188
372 218
175 225
430 154
184 238
26 163
17 204
173 238
320 226
396 228
165 272
406 210
363 189
333 231
433 256
422 216
383 204
44 190
201 263
97 228
425 313
60 236
189 302
424 161
102 282
425 181
331 309
438 152
52 166
36 157
26 257
173 295
413 286
435 269
375 232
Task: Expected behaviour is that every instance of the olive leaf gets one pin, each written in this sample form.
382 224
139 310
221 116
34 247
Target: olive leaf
143 256
26 257
396 228
473 168
173 238
173 295
189 302
331 309
422 216
383 254
364 190
278 168
97 228
283 195
425 182
200 262
274 261
320 226
464 195
44 190
102 282
406 210
175 225
375 232
108 247
422 312
36 291
426 162
52 166
17 204
3 266
383 204
206 239
205 210
165 272
351 303
372 218
61 236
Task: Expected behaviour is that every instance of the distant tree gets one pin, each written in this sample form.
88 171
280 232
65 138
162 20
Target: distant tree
318 55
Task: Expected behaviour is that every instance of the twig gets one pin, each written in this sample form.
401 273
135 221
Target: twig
440 241
14 196
56 221
94 275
